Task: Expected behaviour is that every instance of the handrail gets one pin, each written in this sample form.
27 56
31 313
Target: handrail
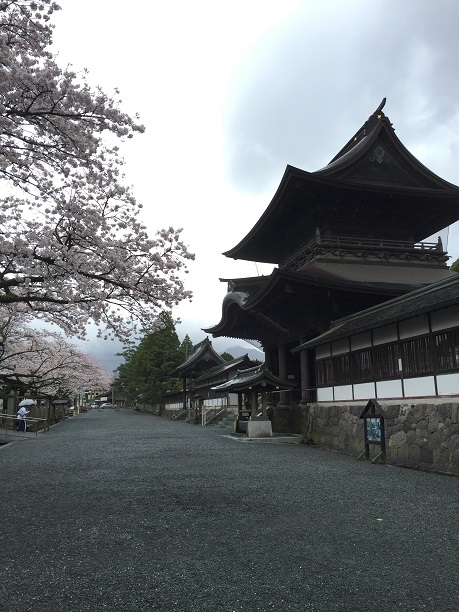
28 420
180 413
205 420
369 243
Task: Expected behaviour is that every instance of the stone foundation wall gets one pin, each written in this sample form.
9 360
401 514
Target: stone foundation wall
418 435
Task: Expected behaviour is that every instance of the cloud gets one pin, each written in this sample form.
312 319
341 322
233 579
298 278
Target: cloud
315 80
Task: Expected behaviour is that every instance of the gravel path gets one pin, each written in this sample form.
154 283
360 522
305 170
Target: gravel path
123 511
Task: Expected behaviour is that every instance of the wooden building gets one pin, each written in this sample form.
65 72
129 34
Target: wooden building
200 372
344 239
406 347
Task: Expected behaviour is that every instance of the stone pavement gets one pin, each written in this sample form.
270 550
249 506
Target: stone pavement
123 511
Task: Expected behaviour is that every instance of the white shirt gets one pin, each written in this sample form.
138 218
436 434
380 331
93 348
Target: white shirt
22 413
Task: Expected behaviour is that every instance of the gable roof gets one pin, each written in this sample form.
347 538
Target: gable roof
201 358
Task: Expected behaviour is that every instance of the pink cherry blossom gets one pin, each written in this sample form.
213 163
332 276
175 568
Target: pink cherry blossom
73 248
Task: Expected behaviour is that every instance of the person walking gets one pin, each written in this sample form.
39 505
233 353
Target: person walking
22 419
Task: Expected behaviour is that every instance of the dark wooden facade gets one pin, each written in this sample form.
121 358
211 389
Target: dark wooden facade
344 238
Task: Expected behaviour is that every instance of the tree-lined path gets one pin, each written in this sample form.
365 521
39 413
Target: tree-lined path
122 511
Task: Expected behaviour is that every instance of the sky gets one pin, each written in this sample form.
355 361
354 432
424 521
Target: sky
231 93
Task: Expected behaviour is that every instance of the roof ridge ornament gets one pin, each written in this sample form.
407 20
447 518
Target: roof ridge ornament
380 107
374 118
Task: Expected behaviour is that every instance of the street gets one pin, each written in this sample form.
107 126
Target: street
123 511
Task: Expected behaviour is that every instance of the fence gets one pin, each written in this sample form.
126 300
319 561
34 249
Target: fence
8 421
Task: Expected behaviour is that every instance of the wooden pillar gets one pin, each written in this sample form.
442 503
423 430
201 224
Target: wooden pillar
184 392
264 404
305 382
253 403
270 399
283 372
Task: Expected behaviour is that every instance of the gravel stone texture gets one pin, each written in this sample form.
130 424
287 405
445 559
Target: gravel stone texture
123 511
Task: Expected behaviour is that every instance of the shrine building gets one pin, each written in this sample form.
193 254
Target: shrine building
344 239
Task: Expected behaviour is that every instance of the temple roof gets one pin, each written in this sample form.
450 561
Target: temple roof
373 184
202 358
224 367
258 378
287 297
433 297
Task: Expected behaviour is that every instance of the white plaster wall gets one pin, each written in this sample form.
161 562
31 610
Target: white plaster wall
448 384
419 387
340 346
364 391
389 388
388 333
414 327
360 341
216 402
343 392
445 318
325 394
323 351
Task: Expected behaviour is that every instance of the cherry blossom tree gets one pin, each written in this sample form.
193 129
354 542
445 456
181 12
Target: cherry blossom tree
43 362
73 248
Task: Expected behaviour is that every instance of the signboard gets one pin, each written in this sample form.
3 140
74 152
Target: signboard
373 429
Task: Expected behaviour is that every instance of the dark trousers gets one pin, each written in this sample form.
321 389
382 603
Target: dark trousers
21 425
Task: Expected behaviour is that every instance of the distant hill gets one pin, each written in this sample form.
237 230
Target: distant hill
238 351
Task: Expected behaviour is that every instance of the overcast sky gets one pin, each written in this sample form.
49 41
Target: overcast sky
232 92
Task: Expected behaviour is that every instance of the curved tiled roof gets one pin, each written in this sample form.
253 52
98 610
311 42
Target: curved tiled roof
253 379
433 297
374 180
201 352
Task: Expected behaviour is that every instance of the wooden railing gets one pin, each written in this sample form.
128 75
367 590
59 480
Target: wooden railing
372 244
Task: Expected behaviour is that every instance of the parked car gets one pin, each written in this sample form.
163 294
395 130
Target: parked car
106 405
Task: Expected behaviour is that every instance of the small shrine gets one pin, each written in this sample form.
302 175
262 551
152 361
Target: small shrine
255 385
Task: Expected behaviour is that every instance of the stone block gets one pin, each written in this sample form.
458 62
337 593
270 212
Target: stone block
425 455
422 424
421 438
444 410
259 429
411 437
434 440
402 451
397 439
433 421
419 412
453 442
413 452
391 412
